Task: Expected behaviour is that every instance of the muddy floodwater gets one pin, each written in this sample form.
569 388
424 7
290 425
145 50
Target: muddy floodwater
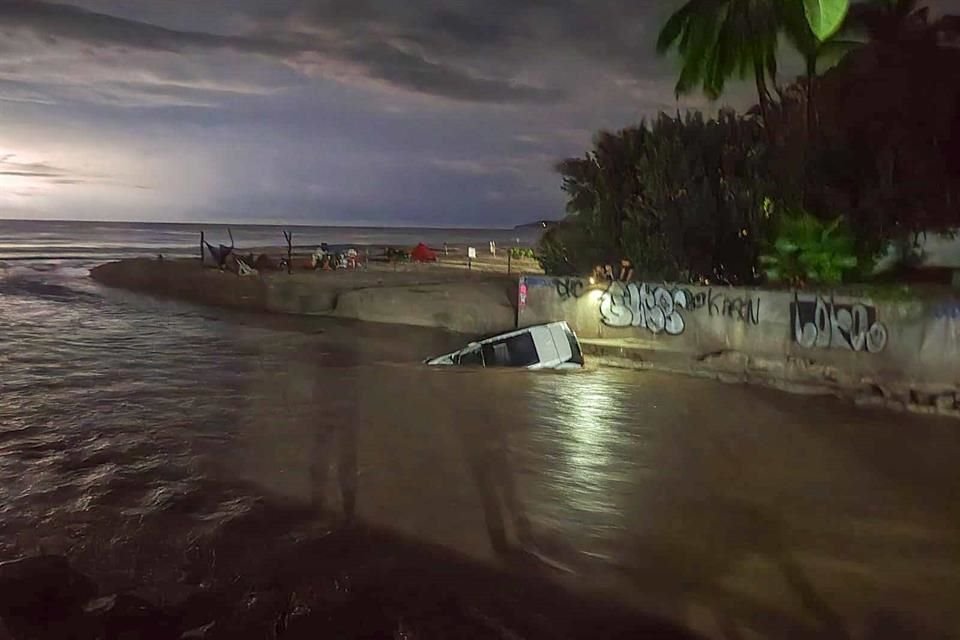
161 447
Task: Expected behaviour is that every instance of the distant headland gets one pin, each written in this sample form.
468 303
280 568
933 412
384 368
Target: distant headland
539 224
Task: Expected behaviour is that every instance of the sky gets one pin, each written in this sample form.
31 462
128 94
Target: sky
362 112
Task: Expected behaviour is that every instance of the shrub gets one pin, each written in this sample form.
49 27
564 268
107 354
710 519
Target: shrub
561 250
518 253
809 250
395 254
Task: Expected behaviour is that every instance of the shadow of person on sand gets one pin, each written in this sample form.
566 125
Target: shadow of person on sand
696 544
484 439
335 447
482 436
333 422
489 460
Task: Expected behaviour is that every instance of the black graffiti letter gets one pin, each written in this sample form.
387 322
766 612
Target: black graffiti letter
713 302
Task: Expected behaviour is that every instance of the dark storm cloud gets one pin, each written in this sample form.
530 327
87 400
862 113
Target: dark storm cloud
61 21
428 112
38 173
493 37
9 166
55 23
413 72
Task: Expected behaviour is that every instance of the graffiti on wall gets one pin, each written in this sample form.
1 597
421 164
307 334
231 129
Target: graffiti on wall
947 310
659 308
824 323
638 305
741 308
524 285
815 321
569 288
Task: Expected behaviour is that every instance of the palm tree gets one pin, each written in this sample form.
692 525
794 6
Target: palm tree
890 24
813 50
899 23
720 38
890 21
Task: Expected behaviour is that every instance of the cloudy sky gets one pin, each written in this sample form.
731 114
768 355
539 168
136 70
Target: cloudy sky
423 112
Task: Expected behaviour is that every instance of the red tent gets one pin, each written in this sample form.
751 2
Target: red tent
423 253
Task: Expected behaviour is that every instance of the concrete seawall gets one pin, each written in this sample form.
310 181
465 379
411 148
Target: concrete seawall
901 354
429 297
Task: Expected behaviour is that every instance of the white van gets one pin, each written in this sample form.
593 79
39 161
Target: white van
545 346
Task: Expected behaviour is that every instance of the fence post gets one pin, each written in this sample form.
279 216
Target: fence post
201 249
509 261
289 237
521 298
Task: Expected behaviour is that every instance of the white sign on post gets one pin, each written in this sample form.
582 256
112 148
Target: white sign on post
472 253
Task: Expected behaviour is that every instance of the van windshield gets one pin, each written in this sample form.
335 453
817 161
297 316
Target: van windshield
516 351
577 357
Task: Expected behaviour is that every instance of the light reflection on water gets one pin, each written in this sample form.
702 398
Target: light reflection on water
144 425
578 424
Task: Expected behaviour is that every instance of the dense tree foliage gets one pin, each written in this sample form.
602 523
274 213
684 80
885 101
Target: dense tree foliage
698 199
682 198
887 156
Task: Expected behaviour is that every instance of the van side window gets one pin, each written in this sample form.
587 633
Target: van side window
577 356
470 358
517 351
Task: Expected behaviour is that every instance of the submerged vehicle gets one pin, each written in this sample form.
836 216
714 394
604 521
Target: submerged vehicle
545 346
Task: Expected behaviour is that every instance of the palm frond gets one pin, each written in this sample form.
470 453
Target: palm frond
674 27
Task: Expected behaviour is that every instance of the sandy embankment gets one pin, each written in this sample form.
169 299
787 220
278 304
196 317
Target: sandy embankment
433 295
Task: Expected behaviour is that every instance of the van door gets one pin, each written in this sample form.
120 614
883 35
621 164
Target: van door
559 334
546 347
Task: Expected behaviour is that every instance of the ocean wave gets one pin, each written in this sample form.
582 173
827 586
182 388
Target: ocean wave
82 253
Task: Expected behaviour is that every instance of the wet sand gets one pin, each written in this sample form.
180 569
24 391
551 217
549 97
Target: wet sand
300 582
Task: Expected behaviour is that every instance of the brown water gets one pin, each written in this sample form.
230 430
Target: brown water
133 432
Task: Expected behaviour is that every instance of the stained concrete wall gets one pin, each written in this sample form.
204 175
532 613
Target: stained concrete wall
453 300
905 352
475 308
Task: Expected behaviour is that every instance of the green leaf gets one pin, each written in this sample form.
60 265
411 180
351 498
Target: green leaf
825 16
847 262
672 29
797 29
831 52
786 245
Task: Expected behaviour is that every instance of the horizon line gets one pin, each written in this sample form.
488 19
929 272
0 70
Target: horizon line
280 224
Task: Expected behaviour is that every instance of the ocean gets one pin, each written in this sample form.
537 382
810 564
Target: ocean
65 240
